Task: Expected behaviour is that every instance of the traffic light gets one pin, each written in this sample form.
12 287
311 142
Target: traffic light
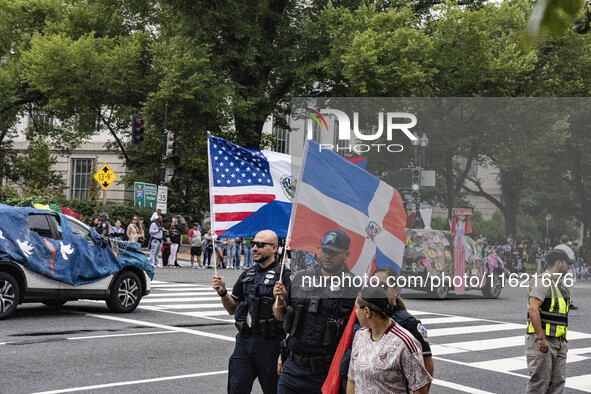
137 129
416 183
171 140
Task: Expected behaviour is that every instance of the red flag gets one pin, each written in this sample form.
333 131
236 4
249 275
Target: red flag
333 380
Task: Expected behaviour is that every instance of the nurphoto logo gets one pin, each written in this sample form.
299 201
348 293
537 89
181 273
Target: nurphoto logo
394 122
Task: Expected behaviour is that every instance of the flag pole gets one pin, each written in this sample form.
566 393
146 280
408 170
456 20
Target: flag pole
209 170
276 306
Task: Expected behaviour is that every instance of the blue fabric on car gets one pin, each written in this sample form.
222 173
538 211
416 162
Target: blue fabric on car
73 259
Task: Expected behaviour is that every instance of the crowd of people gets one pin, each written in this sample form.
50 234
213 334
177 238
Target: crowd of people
517 256
164 242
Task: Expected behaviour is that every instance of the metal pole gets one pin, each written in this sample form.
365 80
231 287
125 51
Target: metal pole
164 141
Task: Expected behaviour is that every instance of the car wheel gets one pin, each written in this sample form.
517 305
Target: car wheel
440 292
493 290
54 303
9 295
126 293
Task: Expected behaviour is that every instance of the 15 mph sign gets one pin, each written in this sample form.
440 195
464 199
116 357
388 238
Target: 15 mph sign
105 176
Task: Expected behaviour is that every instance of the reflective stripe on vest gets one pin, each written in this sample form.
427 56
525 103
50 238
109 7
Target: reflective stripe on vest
555 320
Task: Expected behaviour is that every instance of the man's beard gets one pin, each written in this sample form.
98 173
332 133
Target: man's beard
334 270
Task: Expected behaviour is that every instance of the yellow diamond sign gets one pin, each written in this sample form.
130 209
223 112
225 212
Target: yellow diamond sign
105 176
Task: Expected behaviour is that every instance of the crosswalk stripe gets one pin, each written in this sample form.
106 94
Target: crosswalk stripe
581 382
154 300
440 332
183 294
445 320
191 306
169 285
195 289
517 363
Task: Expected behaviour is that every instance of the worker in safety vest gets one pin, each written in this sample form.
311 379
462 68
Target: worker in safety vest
545 343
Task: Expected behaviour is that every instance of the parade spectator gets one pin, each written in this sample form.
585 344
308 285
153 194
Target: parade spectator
117 231
248 260
94 223
103 227
384 356
156 233
230 253
220 248
165 250
135 230
195 239
208 242
176 240
143 240
538 256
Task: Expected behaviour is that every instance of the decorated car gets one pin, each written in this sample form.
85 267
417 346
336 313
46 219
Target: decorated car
53 258
431 260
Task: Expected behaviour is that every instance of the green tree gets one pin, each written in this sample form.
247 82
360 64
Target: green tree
32 170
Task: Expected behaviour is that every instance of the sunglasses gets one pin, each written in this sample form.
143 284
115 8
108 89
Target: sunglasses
261 245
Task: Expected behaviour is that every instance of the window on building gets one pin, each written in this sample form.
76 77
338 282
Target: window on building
315 130
282 136
90 121
342 147
39 117
81 178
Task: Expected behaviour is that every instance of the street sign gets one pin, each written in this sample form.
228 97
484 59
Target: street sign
105 176
162 199
145 195
428 178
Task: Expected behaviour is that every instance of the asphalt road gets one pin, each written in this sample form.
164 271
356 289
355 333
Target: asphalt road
180 338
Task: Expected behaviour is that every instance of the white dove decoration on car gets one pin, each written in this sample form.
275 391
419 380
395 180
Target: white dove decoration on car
26 247
66 250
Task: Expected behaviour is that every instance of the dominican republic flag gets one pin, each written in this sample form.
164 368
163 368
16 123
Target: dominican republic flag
334 193
243 181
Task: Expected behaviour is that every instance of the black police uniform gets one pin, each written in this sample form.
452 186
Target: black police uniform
259 334
315 320
414 326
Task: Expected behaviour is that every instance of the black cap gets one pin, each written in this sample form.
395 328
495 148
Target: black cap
335 240
195 224
557 254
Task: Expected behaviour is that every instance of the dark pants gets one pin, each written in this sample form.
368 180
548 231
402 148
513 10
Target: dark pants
295 378
254 357
207 252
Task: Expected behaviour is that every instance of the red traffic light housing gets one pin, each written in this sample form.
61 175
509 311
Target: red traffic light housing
137 129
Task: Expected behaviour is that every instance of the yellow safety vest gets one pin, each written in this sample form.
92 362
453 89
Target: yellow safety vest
553 311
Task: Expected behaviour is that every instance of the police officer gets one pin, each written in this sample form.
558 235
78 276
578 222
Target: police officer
315 316
545 341
259 333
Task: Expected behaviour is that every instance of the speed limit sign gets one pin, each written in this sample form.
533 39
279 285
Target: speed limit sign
162 199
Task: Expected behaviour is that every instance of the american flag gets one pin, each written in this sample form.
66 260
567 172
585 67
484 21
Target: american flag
242 180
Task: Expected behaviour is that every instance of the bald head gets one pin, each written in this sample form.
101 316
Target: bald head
267 236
